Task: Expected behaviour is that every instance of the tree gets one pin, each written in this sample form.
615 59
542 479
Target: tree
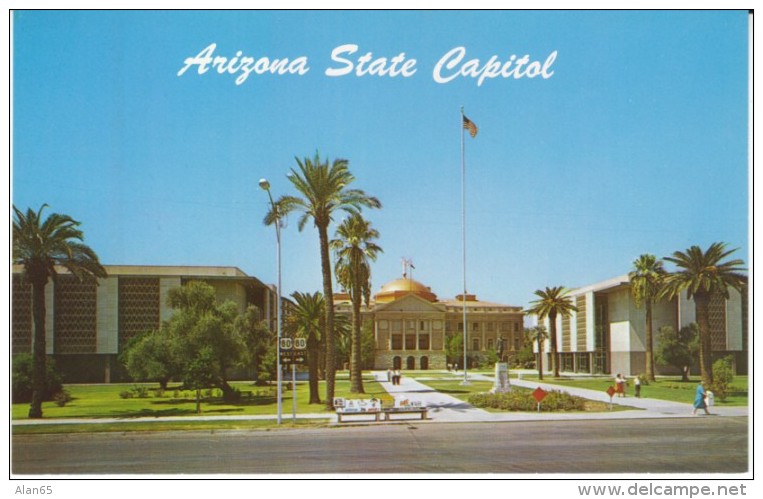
355 249
553 302
454 348
148 357
41 246
646 283
538 334
306 319
678 349
259 340
368 345
324 190
204 337
704 274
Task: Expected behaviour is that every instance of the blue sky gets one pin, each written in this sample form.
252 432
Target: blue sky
637 143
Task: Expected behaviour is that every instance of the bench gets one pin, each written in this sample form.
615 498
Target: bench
342 413
389 411
374 408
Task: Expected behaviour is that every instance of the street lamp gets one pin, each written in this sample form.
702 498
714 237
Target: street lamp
265 186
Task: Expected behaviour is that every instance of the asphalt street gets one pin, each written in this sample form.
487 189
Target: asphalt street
671 445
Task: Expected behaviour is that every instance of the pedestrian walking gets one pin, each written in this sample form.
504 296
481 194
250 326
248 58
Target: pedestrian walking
389 375
620 385
700 399
637 386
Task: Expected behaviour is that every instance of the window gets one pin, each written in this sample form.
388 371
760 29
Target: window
397 325
516 327
506 326
489 343
423 342
475 344
489 327
397 342
410 341
422 326
410 325
460 326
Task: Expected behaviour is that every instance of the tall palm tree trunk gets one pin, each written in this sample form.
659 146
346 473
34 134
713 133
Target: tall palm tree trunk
356 374
312 367
554 352
328 294
39 375
540 359
649 343
701 310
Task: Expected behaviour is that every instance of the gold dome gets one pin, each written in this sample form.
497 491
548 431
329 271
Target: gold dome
401 287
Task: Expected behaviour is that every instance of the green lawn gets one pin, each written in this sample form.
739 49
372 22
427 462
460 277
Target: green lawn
104 401
665 388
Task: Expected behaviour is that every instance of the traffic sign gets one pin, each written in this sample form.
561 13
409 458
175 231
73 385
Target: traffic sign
539 394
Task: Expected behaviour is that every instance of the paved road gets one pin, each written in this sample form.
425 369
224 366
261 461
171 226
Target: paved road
632 447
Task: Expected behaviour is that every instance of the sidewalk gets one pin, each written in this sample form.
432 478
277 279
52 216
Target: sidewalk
444 407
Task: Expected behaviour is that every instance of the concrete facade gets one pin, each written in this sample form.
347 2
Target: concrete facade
615 329
87 325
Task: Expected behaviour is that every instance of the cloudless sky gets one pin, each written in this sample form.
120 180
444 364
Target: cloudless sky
637 143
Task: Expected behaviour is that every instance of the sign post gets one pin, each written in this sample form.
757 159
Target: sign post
611 393
539 394
293 351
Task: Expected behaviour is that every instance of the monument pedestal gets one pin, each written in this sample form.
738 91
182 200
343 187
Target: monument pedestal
501 383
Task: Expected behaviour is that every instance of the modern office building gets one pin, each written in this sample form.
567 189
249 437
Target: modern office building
411 325
607 334
88 325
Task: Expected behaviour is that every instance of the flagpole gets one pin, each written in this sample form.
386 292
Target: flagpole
463 239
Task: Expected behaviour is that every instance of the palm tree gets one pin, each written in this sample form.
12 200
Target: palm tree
355 249
324 190
538 334
551 303
703 275
307 317
646 283
40 246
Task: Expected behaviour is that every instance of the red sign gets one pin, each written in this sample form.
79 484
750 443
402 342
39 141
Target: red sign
539 394
611 391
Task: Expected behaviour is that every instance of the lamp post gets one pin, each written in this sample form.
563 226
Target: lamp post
265 186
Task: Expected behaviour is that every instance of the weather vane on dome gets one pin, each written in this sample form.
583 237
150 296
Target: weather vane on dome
407 267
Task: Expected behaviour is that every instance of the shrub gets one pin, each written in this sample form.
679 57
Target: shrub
62 398
140 391
522 400
723 375
21 384
126 394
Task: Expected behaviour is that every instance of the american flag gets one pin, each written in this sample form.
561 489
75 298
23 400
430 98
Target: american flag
469 125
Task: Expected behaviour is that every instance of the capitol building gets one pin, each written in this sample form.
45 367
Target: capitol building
411 325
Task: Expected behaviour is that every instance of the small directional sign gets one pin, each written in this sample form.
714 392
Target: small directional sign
611 391
293 351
